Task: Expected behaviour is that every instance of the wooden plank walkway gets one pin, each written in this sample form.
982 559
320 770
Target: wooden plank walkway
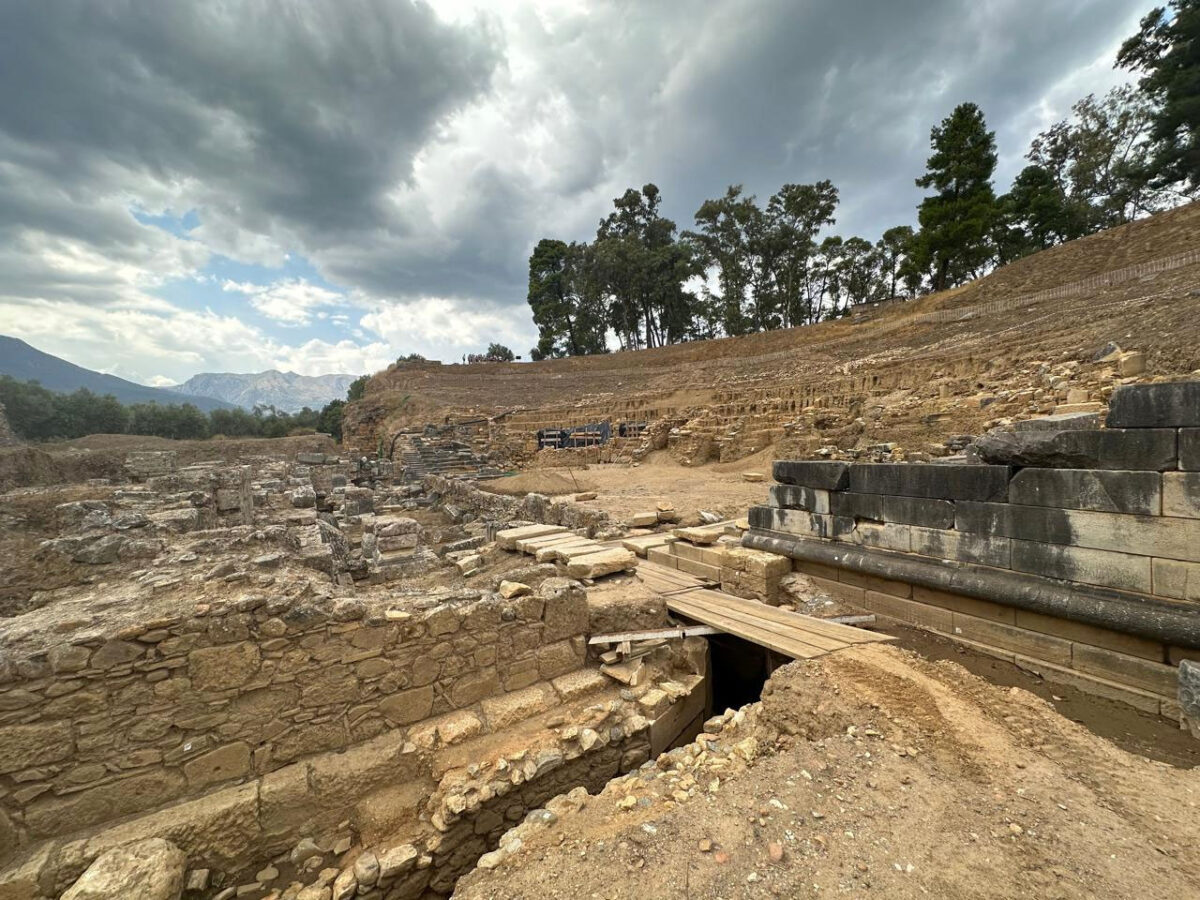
792 634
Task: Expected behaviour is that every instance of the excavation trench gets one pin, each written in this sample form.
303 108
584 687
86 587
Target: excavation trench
466 820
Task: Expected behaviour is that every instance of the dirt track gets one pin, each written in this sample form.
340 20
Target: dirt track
880 774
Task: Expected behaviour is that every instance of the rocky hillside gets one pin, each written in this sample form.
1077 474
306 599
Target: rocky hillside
286 391
25 363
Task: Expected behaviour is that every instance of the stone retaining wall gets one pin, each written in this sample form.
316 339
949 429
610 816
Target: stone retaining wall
1077 551
101 726
465 498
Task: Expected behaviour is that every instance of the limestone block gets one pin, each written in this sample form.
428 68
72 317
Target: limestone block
644 519
1156 536
115 653
223 668
641 543
857 506
1178 580
557 659
1170 405
217 827
221 764
1189 449
507 539
507 709
1106 568
1136 493
758 563
469 564
823 475
409 706
931 480
361 768
307 740
58 815
982 549
699 535
458 727
580 683
1189 694
474 686
1181 494
566 609
917 511
149 870
26 746
792 496
753 476
510 589
1150 449
606 562
285 802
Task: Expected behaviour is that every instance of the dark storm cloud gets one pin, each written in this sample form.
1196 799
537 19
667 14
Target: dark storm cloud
410 157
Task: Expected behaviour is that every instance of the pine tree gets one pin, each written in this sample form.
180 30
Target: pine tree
956 221
1167 49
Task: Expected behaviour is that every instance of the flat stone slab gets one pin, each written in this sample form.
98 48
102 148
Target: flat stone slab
699 535
1136 449
641 543
1136 493
941 482
820 474
606 562
1172 405
507 539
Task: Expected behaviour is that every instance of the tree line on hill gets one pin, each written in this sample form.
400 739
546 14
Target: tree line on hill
38 414
749 267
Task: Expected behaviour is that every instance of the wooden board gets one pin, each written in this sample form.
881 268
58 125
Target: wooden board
790 633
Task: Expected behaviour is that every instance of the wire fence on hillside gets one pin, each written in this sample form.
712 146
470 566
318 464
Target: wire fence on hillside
1105 279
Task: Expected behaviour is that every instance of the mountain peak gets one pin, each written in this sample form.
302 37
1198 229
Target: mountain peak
285 391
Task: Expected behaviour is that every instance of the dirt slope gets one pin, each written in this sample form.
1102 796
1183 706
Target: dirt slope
1155 312
872 772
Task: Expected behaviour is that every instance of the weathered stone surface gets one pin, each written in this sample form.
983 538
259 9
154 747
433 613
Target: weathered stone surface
566 609
702 535
945 482
1171 405
218 826
822 475
1136 493
856 506
558 659
1157 536
285 801
917 511
148 870
225 667
58 815
458 727
362 768
26 746
1178 580
410 706
1189 449
507 539
1189 694
1151 449
221 764
1100 567
510 589
1079 421
795 496
1181 494
474 686
605 562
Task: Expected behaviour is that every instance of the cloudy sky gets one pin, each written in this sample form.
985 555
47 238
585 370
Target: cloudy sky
323 185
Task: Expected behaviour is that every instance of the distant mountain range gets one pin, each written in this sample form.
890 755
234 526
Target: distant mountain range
286 391
26 363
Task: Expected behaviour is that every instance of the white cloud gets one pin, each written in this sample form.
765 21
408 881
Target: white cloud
289 302
444 328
